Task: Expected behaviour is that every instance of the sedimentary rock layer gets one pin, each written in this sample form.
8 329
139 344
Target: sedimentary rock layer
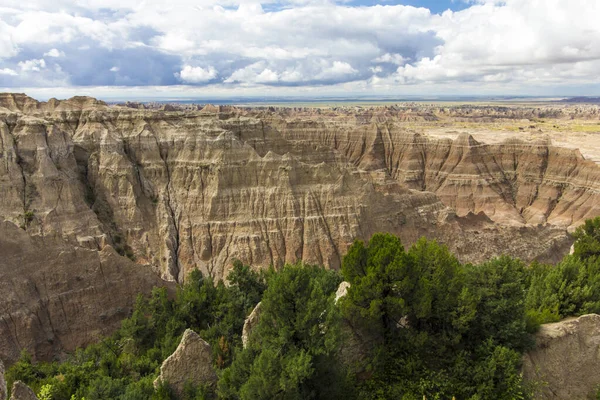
57 297
85 186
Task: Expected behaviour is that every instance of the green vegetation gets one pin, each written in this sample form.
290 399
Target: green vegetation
124 365
573 286
122 247
414 323
440 329
292 352
28 217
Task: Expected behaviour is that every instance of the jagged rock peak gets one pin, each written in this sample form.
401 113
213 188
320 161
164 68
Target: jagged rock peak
18 102
465 140
21 391
81 102
566 359
211 109
190 362
342 290
250 324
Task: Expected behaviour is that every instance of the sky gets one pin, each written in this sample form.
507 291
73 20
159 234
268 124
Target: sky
144 49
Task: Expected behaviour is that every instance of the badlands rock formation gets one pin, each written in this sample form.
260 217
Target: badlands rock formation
57 296
171 191
21 391
190 363
250 323
342 290
566 360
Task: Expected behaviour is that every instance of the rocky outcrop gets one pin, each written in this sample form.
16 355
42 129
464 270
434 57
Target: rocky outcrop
21 391
342 290
250 324
174 189
191 362
565 362
2 382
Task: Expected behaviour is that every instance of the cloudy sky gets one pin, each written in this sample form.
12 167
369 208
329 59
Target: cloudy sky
210 48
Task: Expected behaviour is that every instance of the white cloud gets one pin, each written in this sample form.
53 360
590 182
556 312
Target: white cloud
32 65
8 48
510 39
246 74
8 71
337 70
517 42
263 73
54 53
191 74
267 76
391 58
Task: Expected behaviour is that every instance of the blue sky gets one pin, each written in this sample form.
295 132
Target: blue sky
312 48
435 6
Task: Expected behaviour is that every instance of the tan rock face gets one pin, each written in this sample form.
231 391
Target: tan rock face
566 360
191 362
21 391
194 190
342 290
57 297
2 382
176 191
250 324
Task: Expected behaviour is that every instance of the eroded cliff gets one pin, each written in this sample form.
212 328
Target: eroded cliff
174 191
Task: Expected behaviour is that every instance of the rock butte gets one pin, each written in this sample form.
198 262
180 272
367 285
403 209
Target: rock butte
181 190
21 391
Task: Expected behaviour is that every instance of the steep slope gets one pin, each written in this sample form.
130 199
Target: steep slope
57 297
515 182
195 190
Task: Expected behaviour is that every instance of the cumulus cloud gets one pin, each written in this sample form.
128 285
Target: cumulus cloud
54 53
8 48
191 74
309 43
337 70
391 58
8 71
32 65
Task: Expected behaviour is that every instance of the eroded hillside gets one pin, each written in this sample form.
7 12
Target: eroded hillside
178 190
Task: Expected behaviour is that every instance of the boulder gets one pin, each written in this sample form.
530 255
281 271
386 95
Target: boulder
249 325
566 360
191 362
342 290
21 391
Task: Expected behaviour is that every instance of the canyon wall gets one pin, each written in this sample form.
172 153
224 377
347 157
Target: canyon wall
90 188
